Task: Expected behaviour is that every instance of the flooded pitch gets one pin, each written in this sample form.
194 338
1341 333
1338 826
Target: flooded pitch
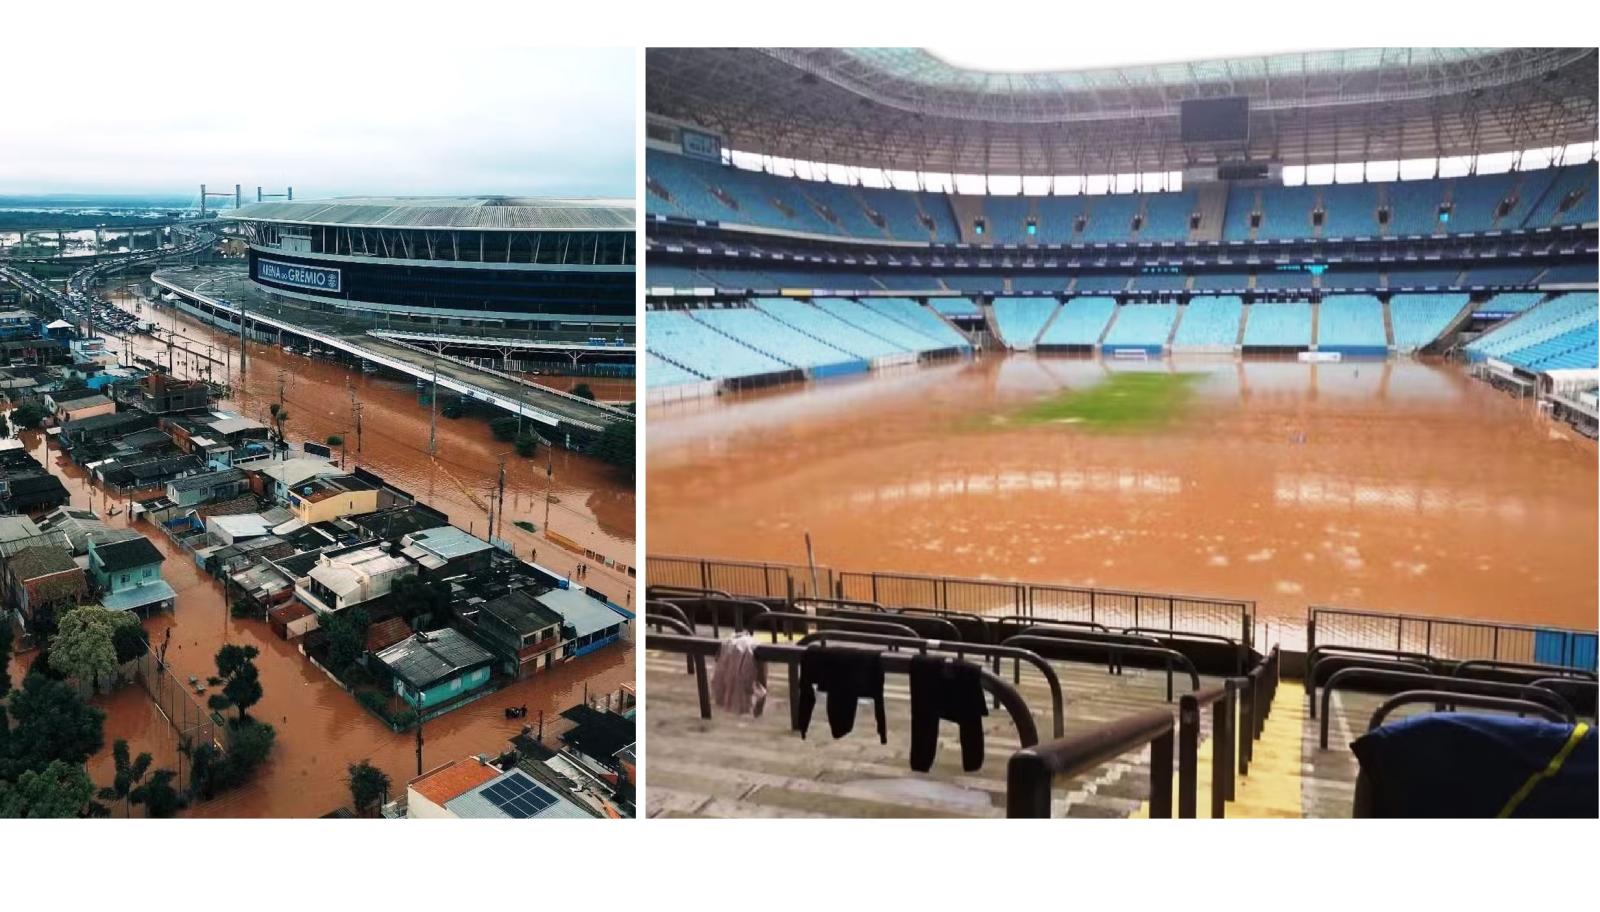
1400 486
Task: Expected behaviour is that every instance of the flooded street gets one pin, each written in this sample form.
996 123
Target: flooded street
594 503
1398 486
321 729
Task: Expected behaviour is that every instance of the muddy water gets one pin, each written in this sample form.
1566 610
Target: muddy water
594 506
321 729
1396 487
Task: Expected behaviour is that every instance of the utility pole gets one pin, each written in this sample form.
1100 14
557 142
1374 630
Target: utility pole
241 340
497 505
355 410
549 486
433 411
419 740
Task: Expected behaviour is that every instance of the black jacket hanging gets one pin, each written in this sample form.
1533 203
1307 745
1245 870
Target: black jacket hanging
944 688
848 676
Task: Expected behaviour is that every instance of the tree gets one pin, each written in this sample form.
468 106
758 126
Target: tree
347 637
504 427
51 722
128 638
369 786
616 445
334 440
582 390
27 416
527 445
159 798
61 789
84 647
241 681
5 427
130 773
280 417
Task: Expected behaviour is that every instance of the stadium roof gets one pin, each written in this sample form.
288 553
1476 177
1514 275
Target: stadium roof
490 213
907 109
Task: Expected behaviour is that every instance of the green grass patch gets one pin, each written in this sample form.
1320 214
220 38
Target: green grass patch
1123 401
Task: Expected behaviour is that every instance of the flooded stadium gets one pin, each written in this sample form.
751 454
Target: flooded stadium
1397 486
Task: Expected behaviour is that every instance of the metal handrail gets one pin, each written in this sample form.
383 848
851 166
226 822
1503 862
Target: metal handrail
946 630
1030 640
669 609
675 625
891 662
1443 684
770 621
1221 700
1316 652
1024 620
960 648
690 591
1240 651
1362 662
1032 772
1504 704
1549 671
740 622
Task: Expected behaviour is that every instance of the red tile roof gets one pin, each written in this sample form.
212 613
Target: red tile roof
453 780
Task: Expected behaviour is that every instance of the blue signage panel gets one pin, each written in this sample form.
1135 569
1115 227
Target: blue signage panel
316 278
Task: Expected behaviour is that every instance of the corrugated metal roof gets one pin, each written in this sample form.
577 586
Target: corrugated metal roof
422 659
495 213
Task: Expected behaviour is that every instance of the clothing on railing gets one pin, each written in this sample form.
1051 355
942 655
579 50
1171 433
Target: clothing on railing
945 688
739 682
848 676
1467 765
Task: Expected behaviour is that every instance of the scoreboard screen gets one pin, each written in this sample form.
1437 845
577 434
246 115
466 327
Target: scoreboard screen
705 146
1215 120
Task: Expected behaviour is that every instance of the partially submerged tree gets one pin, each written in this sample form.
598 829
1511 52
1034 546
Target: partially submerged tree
369 786
241 681
60 789
129 774
84 646
49 722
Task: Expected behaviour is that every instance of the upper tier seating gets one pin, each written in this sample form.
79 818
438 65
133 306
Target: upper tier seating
661 276
1019 320
1503 275
712 191
1569 273
1045 284
1560 332
1279 325
1351 322
771 337
956 307
1426 277
1209 321
1081 322
685 341
1285 279
1510 302
1221 281
1144 325
1418 319
827 328
919 318
876 323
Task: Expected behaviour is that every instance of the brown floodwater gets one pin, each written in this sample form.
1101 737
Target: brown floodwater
1402 486
321 729
594 503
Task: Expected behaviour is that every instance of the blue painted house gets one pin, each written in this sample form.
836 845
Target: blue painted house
127 574
435 667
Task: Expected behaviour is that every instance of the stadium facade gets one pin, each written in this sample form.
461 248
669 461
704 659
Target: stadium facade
545 266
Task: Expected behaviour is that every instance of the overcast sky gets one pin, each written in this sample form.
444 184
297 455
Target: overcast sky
336 120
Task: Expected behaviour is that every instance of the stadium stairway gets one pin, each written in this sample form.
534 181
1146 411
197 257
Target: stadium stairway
1388 327
1106 330
1316 314
1244 320
1176 322
731 766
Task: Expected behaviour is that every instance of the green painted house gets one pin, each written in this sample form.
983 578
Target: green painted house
436 667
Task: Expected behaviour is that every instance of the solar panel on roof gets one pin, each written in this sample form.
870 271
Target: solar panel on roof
518 796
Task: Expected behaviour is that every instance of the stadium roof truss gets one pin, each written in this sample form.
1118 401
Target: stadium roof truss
906 109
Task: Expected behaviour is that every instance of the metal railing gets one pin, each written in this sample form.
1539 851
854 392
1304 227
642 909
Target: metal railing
1456 639
1410 680
1173 613
1050 642
1221 699
1031 773
740 578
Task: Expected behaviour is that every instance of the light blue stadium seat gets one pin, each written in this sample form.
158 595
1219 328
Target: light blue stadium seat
824 327
772 337
869 320
919 318
1557 331
1418 319
1279 325
1352 324
1209 321
678 337
1144 326
1080 322
1019 319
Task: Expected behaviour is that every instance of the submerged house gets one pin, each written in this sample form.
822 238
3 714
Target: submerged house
43 580
436 667
446 551
351 576
128 575
522 633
